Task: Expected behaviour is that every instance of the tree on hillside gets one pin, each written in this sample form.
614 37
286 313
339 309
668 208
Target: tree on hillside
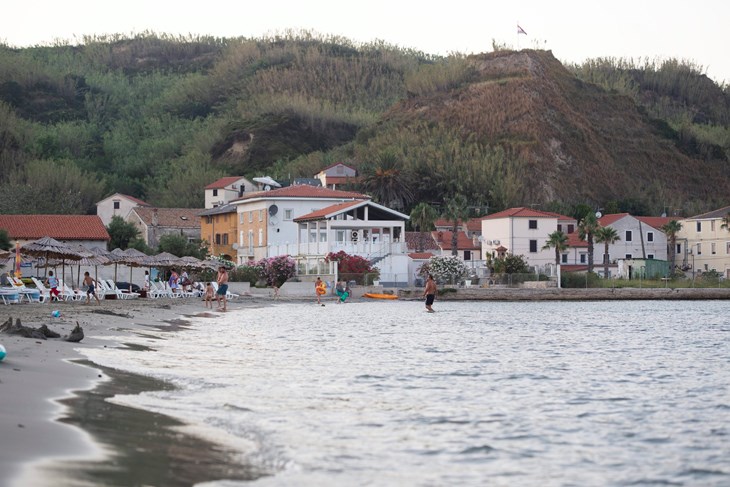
387 184
121 233
557 240
586 231
422 217
607 236
457 209
671 229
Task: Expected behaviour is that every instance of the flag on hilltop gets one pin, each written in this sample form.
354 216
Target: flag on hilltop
520 30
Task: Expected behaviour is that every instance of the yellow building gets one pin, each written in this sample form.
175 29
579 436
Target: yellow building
219 228
706 239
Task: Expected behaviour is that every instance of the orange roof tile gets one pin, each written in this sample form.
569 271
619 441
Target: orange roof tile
607 220
575 241
443 239
420 255
171 217
522 212
60 227
304 191
657 221
323 212
223 182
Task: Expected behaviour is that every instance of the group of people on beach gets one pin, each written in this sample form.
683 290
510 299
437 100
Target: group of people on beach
211 294
342 289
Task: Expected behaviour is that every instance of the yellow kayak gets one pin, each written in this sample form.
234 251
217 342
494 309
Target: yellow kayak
380 296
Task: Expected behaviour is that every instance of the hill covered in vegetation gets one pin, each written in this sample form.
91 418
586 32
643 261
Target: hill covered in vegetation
159 118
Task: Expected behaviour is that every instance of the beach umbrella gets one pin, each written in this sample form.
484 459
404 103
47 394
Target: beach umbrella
18 260
48 248
134 258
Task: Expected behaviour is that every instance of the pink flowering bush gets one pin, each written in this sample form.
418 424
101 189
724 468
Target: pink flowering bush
276 270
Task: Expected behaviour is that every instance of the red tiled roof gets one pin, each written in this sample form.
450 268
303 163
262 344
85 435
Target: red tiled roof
60 227
171 217
136 200
420 255
443 238
223 182
607 220
323 212
522 212
444 223
337 164
573 267
304 191
413 241
657 221
575 241
474 224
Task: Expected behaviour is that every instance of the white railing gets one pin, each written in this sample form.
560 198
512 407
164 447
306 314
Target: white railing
364 249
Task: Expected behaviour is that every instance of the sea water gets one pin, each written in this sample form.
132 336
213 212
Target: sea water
478 393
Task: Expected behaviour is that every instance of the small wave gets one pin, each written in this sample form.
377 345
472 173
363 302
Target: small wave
477 449
695 472
233 407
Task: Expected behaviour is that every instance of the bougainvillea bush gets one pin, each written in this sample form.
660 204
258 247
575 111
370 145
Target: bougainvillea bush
353 267
276 270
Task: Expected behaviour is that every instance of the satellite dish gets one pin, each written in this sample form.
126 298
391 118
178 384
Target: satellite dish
273 210
599 214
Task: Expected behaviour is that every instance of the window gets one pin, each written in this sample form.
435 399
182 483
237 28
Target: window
727 249
225 218
649 256
215 192
240 218
240 238
287 214
571 228
250 241
563 258
250 216
533 246
209 220
116 205
699 226
225 239
712 225
217 238
712 248
532 224
261 237
467 255
560 227
699 249
323 236
649 236
629 236
261 215
340 236
583 258
629 256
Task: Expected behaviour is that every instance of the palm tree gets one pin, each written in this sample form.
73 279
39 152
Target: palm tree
423 216
671 229
608 236
586 230
387 184
559 241
457 209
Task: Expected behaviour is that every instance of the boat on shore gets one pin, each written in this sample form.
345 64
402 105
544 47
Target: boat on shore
380 296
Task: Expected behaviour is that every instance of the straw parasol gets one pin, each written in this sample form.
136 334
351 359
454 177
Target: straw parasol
134 258
48 248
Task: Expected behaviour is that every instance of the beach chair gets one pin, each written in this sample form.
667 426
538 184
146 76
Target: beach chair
111 285
158 290
9 295
32 295
45 292
70 294
229 294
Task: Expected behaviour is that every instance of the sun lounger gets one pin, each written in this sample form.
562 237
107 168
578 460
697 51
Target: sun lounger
31 294
70 294
118 292
9 295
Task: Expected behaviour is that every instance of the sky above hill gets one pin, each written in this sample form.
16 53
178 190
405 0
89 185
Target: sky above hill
575 30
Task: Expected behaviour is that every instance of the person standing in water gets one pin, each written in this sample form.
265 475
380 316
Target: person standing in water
430 293
222 280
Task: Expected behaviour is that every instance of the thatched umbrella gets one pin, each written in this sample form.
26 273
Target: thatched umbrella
48 248
134 258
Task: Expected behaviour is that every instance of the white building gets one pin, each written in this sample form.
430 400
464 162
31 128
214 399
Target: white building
639 238
117 204
226 189
523 231
703 244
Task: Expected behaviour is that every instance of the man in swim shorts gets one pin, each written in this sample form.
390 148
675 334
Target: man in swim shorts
222 281
430 293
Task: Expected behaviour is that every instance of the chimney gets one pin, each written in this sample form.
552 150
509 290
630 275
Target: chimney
155 218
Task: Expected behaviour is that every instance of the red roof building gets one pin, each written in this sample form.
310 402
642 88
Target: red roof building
64 228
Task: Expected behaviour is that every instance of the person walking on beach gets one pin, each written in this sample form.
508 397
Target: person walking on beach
53 284
89 282
222 281
430 293
320 288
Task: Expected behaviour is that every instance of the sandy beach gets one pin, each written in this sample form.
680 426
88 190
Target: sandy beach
54 404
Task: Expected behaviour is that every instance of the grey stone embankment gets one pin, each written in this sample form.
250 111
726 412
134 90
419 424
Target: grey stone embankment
554 294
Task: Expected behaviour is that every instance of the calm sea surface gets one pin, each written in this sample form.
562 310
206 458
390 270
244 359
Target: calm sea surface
479 393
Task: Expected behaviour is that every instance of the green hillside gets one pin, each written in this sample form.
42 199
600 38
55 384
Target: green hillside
160 117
